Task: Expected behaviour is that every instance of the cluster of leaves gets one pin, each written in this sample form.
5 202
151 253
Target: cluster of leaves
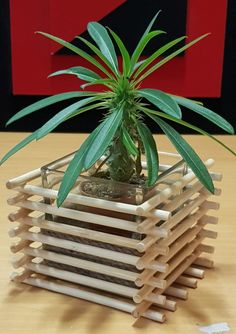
123 130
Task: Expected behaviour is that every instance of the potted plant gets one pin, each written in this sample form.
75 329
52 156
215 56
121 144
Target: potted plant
112 157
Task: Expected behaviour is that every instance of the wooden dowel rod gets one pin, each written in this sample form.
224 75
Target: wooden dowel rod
18 262
15 231
20 277
209 219
143 306
80 232
82 279
173 205
93 297
194 272
169 305
94 202
207 249
18 246
179 231
158 266
156 299
77 247
209 234
176 261
176 292
211 205
204 262
187 281
19 197
80 215
83 264
14 216
24 178
157 283
169 191
216 176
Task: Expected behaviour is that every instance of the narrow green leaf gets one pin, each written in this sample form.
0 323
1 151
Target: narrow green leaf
146 32
205 112
47 102
161 100
187 152
99 54
102 39
104 137
150 152
128 142
81 72
76 50
124 53
158 53
105 82
75 167
187 125
61 116
19 146
168 58
141 46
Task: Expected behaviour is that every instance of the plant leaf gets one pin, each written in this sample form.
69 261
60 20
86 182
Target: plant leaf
158 53
150 152
61 116
187 125
81 72
99 54
187 152
76 50
128 142
19 146
161 100
141 46
103 138
104 82
205 112
75 167
124 52
47 102
168 58
102 39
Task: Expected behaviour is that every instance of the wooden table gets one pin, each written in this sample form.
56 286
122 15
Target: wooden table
24 309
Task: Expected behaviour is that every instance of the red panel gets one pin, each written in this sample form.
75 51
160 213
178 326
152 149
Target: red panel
198 73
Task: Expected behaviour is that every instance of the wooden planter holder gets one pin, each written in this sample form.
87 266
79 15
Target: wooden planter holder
134 257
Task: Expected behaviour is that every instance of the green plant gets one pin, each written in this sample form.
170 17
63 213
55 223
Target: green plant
122 135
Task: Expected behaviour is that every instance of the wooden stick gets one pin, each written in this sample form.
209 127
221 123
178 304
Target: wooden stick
93 297
209 219
94 202
187 281
143 306
18 262
204 262
82 279
177 292
18 246
156 299
176 261
169 305
212 205
23 178
169 191
207 249
77 247
195 272
14 216
83 264
146 225
209 234
20 277
15 231
80 232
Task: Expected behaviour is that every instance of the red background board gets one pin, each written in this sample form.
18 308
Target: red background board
197 74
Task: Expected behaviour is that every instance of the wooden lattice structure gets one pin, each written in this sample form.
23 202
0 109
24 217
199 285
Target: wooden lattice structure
138 258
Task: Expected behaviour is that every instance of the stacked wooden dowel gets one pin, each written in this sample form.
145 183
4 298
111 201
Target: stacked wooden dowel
137 253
